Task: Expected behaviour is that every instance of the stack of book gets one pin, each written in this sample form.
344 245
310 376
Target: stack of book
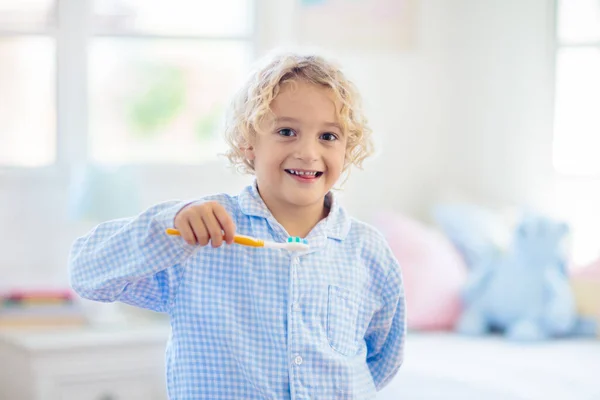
39 308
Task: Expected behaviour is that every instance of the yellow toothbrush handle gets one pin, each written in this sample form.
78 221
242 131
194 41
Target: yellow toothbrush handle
248 241
239 239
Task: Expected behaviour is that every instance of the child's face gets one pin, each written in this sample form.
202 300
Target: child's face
301 137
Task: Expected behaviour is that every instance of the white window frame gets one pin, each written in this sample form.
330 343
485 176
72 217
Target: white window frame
557 45
72 35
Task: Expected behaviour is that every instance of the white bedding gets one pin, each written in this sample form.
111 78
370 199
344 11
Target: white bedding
447 366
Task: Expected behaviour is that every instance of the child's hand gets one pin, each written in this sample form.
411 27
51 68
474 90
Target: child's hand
199 223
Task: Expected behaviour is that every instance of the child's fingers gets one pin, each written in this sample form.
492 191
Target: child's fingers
199 229
225 222
187 233
202 234
213 228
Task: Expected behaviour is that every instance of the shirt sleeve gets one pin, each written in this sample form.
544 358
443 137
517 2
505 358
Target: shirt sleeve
387 331
131 260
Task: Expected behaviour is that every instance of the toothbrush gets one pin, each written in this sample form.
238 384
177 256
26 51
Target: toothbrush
293 243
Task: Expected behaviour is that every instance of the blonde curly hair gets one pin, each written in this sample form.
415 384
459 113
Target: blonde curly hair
252 103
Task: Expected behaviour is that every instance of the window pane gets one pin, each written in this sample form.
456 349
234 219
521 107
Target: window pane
27 14
174 17
27 102
161 100
577 120
579 20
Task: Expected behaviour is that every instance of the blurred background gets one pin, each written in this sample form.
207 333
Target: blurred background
480 109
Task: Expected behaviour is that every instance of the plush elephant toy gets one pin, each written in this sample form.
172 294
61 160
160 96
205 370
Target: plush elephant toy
524 293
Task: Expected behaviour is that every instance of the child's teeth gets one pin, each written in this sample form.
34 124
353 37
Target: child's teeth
303 173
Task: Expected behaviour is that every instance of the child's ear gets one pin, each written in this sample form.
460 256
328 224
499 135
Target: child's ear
249 153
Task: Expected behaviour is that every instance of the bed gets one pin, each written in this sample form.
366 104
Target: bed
448 366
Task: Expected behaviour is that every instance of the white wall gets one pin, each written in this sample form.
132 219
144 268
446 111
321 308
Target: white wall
499 132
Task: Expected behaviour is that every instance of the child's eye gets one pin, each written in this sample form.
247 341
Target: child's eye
329 137
286 132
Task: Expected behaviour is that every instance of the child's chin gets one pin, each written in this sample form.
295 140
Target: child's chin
304 198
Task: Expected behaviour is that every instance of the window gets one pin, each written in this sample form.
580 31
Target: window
118 81
27 83
577 119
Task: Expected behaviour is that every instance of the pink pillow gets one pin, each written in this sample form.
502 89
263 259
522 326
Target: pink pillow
432 269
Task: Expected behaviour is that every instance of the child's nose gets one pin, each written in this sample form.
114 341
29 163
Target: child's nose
307 149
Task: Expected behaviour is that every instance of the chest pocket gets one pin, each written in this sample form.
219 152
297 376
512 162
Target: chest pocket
342 319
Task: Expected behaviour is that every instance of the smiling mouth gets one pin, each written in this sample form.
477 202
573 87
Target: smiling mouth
304 174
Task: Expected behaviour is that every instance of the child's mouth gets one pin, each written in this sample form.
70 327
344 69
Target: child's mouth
303 175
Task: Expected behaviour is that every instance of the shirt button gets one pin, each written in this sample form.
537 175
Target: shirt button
295 306
298 360
296 261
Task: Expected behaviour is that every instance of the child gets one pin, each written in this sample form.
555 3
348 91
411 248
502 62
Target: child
248 323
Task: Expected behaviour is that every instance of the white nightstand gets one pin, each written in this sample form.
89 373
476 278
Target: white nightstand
120 363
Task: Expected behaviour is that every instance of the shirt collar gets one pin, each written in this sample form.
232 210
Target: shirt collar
336 225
